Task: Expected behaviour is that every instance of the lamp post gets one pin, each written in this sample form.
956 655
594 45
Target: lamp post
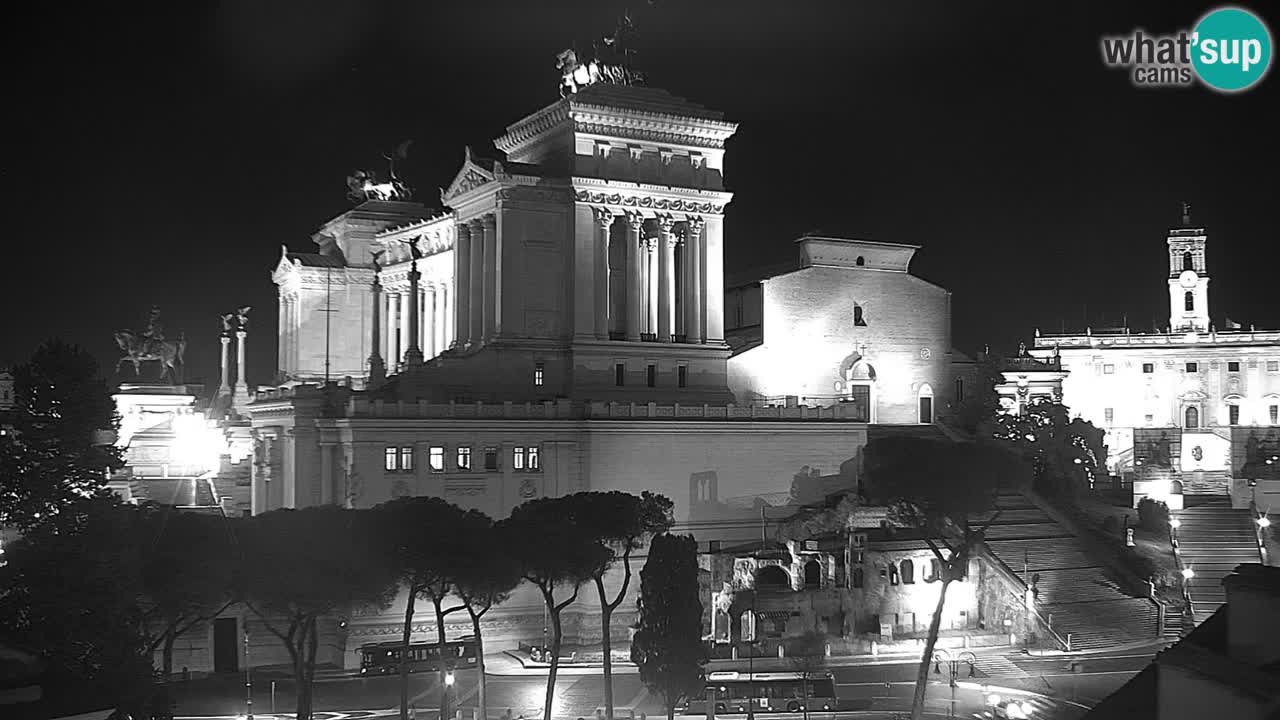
448 685
953 668
248 679
1174 524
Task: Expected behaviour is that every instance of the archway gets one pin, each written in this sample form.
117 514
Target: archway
772 577
813 574
925 402
1192 417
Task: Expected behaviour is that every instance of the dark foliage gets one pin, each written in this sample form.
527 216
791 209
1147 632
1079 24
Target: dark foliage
668 645
1153 515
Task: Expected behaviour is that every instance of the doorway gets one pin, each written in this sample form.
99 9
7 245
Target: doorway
226 646
926 410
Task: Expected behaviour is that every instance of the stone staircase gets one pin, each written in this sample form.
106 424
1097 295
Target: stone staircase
1206 482
1074 592
1212 541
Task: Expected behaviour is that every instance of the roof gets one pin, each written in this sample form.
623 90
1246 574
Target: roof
315 260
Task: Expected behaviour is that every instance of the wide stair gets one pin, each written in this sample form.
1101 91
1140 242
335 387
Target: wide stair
1074 592
1212 541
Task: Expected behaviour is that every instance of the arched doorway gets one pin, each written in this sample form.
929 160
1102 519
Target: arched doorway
813 574
925 401
772 577
859 387
1192 416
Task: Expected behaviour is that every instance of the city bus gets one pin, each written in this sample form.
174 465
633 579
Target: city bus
765 692
384 658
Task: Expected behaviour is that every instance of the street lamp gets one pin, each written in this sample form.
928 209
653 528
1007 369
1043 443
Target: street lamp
1263 522
1188 573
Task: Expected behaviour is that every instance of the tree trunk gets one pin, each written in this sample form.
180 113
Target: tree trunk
404 652
555 658
606 645
298 652
481 700
922 673
670 703
166 662
313 643
444 670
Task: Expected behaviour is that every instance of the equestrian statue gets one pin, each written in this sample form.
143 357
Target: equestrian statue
151 345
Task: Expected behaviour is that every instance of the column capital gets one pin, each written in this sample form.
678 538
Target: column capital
635 220
475 224
463 229
242 334
489 220
604 217
667 224
695 223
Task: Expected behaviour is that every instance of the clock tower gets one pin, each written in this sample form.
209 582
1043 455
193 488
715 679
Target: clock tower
1188 277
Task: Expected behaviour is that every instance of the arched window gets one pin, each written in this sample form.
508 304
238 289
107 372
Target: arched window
813 574
925 397
908 572
1188 263
858 577
858 320
934 570
1193 418
860 261
1189 301
772 577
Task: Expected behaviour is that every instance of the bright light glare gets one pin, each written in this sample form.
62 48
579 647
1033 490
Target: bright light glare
993 699
1264 522
1188 573
1175 523
448 678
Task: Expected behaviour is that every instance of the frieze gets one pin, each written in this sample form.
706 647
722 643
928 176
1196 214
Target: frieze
534 194
465 490
648 202
648 134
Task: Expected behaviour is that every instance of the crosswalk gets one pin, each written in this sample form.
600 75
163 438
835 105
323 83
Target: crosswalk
998 666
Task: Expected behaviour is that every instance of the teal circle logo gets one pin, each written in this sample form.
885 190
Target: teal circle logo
1231 49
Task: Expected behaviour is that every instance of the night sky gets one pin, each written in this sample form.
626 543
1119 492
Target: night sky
163 155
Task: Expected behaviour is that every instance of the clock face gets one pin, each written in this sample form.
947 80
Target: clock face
1188 279
925 353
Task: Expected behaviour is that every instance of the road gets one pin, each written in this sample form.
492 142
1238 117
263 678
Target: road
1059 691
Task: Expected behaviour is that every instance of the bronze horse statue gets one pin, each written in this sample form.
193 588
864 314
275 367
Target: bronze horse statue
138 350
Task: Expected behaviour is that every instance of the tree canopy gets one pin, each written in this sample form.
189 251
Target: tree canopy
668 645
1066 454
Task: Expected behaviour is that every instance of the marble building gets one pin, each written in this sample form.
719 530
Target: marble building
1190 410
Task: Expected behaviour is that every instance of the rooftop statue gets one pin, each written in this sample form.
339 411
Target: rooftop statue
365 185
611 61
151 345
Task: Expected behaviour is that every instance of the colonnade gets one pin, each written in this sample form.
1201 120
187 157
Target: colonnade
435 320
664 301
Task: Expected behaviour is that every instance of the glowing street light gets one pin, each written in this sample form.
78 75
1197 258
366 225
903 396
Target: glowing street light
448 678
1175 523
1263 522
1188 573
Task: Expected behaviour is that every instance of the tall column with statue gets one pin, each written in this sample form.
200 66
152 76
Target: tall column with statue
377 368
224 384
240 397
413 354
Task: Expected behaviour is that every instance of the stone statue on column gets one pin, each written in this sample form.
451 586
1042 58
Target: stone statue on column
228 328
377 367
413 354
240 396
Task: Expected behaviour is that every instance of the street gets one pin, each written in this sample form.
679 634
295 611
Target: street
1050 684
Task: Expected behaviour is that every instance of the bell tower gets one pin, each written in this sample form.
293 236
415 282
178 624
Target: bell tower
1188 277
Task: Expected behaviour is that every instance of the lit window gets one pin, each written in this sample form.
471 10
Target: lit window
651 375
1108 369
406 459
858 320
464 458
392 459
1149 419
537 374
1148 368
491 458
1233 414
517 458
1233 366
1275 414
619 374
1193 367
534 458
1109 414
682 376
893 574
436 458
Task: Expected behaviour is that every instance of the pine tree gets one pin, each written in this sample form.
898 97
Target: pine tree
668 645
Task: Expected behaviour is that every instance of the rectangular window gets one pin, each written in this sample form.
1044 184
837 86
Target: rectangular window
537 374
436 458
651 375
1148 368
1275 414
619 374
491 458
406 459
1109 414
1149 419
682 376
533 458
959 389
392 460
517 458
1273 366
1108 369
1233 414
1193 367
1233 366
464 458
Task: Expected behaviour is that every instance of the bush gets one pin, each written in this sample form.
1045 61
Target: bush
1153 515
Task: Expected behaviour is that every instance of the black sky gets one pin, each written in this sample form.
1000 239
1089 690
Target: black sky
162 155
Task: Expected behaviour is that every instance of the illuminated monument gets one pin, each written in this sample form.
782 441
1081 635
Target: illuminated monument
1192 410
559 327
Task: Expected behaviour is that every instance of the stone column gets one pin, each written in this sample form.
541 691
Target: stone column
462 280
377 368
429 321
604 221
651 282
697 283
713 279
413 351
634 295
444 331
388 330
224 387
402 328
475 304
492 276
282 337
666 278
241 396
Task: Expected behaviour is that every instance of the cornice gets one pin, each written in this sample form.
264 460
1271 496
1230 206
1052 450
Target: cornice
531 128
639 200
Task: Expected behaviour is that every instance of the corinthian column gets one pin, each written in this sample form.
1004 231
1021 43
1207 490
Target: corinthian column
241 396
604 221
462 282
413 353
377 369
224 387
476 302
651 286
429 347
697 283
492 275
634 224
666 278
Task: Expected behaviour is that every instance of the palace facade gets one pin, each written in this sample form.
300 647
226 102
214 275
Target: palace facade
1192 410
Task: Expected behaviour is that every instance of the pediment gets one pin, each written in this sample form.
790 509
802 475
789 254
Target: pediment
470 176
284 266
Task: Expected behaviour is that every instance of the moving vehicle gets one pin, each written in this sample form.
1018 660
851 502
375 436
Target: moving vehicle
384 658
766 692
